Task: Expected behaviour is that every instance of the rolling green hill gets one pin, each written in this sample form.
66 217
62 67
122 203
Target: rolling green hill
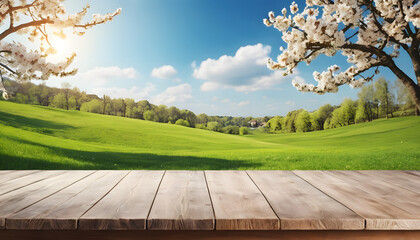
34 137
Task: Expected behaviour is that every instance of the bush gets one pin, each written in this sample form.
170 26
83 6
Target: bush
200 126
231 130
243 131
182 122
214 126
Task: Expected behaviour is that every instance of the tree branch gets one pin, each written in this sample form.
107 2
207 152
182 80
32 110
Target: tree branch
24 25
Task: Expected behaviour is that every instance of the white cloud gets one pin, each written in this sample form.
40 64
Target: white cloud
99 76
194 64
179 93
226 100
133 92
243 103
246 71
164 72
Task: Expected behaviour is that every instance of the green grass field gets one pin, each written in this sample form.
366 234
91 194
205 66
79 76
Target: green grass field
34 137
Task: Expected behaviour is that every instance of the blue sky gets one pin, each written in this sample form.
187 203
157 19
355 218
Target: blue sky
206 56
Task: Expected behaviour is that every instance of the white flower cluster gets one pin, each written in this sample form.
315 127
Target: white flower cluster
16 59
375 24
31 64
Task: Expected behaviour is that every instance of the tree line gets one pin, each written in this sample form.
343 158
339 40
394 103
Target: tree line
377 100
74 99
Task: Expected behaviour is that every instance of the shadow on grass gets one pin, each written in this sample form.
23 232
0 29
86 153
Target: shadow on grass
76 159
31 124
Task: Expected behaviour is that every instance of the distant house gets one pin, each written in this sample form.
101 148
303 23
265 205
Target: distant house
263 124
252 123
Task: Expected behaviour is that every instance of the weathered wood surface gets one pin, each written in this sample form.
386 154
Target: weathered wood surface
359 197
63 209
299 205
126 207
208 200
9 175
182 203
238 204
19 199
22 181
402 179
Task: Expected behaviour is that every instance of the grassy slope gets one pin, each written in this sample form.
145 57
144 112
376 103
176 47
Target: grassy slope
34 137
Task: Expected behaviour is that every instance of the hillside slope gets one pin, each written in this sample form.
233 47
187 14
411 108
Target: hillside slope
34 137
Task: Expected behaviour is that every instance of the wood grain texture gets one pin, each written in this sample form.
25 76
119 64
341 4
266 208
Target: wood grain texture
19 199
402 179
300 206
395 195
209 235
379 214
22 181
126 207
9 175
238 204
62 209
182 203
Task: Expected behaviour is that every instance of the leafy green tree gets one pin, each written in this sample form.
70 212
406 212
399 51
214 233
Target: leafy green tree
365 109
214 126
129 106
231 130
182 122
151 115
20 98
274 124
385 96
243 131
93 106
189 116
173 114
303 122
319 116
60 101
290 120
404 98
202 118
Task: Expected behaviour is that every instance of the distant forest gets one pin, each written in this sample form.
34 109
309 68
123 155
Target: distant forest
378 99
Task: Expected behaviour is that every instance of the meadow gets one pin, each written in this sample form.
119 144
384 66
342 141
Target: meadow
35 137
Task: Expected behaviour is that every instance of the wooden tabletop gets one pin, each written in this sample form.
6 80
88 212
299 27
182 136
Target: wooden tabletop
210 200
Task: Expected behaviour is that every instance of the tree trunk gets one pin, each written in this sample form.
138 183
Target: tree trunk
409 83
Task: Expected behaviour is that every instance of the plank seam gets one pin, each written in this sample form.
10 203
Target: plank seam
211 201
364 219
153 202
368 191
39 180
5 227
20 176
77 220
278 217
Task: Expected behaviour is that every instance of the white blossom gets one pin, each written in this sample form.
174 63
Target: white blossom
371 24
26 64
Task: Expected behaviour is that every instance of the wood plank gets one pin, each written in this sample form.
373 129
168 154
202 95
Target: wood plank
379 214
398 178
395 195
61 210
238 204
300 206
126 207
17 200
182 203
413 172
4 177
26 180
209 235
